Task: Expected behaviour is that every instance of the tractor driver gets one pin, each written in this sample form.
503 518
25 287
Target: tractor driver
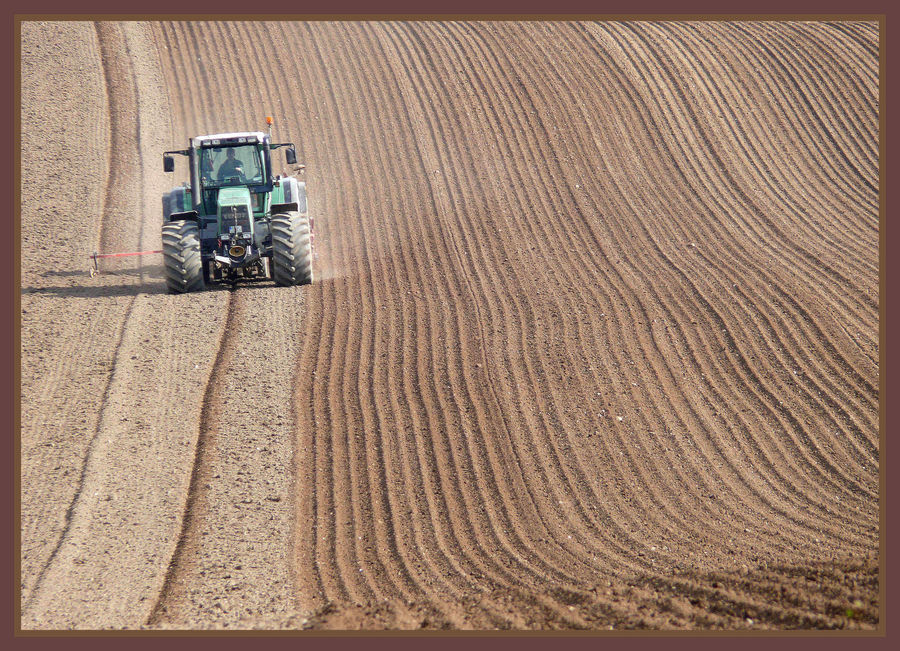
231 167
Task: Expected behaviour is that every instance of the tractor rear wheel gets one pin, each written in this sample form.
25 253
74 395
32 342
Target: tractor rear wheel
291 249
181 254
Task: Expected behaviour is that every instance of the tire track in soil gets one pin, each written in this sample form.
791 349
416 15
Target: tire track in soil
231 566
123 136
114 550
118 107
183 566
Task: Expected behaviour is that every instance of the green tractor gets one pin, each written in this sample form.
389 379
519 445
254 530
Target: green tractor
235 220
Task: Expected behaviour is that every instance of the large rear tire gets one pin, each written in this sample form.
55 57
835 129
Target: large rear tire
181 254
291 249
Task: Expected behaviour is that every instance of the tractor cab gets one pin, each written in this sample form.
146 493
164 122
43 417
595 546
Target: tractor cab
226 160
231 160
241 165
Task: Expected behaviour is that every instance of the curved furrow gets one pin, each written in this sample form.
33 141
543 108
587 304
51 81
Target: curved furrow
481 355
373 471
368 208
770 392
735 42
449 367
352 483
805 318
397 523
395 508
592 341
828 188
737 202
276 87
338 547
860 52
820 335
811 61
325 233
737 208
315 583
713 415
408 76
802 50
741 131
401 277
438 412
860 37
563 245
579 353
473 246
588 284
283 92
623 446
786 60
484 261
808 121
383 80
803 315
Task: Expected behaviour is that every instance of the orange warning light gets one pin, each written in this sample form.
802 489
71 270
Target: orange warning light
268 119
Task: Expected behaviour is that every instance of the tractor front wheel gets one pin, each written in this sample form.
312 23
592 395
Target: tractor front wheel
181 254
291 249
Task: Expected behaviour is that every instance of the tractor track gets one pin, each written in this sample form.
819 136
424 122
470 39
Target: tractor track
117 107
592 343
195 507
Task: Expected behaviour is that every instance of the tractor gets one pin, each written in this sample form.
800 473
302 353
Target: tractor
235 220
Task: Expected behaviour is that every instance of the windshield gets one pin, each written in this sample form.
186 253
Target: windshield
236 165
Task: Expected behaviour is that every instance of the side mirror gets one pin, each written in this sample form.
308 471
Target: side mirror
168 164
290 155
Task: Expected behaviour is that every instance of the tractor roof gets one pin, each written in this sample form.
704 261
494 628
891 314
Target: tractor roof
229 138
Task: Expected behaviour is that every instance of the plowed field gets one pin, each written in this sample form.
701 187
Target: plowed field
593 341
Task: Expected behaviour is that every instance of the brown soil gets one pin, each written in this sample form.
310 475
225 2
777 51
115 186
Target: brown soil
593 341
